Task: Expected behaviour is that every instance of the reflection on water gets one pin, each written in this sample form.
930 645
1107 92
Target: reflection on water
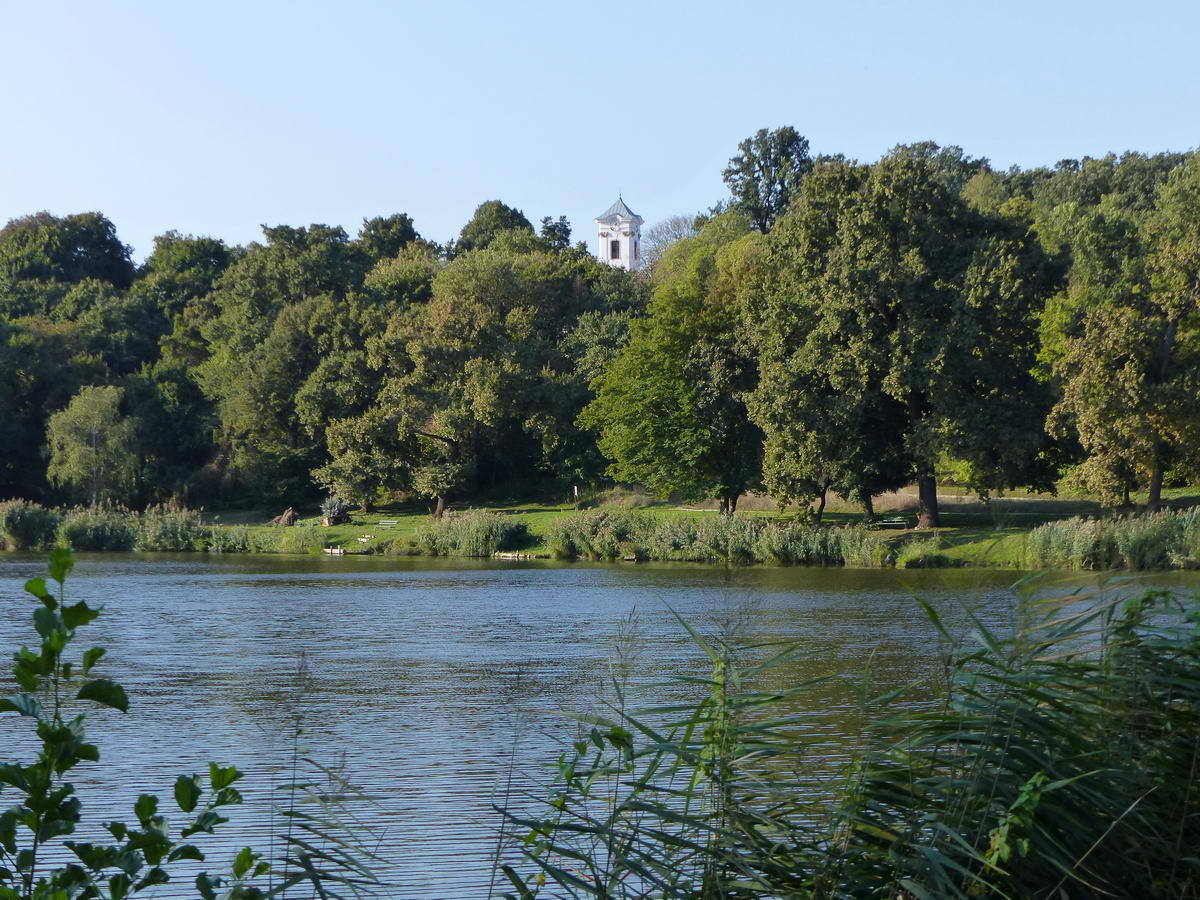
427 673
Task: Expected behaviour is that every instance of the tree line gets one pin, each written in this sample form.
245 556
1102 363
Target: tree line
830 326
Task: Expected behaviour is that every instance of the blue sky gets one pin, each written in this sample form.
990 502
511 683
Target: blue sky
215 117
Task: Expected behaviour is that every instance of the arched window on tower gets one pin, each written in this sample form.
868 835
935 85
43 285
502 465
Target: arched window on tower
614 250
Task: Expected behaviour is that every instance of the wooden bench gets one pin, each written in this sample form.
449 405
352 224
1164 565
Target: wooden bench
892 522
388 523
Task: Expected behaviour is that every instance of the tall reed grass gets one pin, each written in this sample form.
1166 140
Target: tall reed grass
615 534
1158 541
1062 762
475 533
25 525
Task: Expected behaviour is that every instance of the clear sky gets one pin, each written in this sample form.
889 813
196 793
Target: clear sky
214 117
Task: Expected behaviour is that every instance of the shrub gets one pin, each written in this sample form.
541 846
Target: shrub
923 553
102 527
613 534
475 533
27 525
163 528
298 539
1155 541
240 539
335 509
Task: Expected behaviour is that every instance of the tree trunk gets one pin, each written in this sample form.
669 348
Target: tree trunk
440 509
731 503
928 503
1154 500
821 503
723 507
868 507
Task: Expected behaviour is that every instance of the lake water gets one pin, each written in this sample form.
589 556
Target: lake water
426 675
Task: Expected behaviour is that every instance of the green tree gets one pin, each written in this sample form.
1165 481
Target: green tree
1128 340
383 237
491 219
766 173
670 408
93 447
888 291
67 248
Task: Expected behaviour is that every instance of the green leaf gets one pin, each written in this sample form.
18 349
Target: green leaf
186 851
244 862
78 614
105 692
207 886
222 777
91 657
145 808
25 704
45 621
187 792
60 564
118 886
37 587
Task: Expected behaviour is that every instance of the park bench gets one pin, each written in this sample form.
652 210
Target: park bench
892 522
389 523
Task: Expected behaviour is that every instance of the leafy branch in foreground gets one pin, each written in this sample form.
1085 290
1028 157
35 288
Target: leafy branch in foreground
323 851
45 807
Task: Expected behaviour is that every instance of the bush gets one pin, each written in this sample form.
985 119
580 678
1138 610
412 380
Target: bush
240 539
475 533
737 540
165 529
923 553
336 510
1155 541
101 527
27 525
298 539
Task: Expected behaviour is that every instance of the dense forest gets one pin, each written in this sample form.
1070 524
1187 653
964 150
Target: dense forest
830 326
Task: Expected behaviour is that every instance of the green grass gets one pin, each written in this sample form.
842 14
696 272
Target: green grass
973 534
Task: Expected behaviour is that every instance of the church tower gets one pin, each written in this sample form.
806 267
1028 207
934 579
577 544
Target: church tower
619 236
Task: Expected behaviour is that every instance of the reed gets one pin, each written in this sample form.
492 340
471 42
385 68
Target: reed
1157 541
168 529
1063 761
99 528
476 533
26 525
615 534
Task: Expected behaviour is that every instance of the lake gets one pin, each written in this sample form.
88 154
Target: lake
426 675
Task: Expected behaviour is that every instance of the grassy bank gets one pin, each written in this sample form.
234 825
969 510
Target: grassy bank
1013 533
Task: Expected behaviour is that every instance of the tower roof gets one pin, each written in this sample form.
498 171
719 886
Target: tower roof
618 209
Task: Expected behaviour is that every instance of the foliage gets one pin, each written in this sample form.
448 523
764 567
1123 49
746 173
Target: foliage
614 534
55 692
104 527
477 533
669 408
92 446
171 529
26 525
335 509
894 326
1059 762
1157 541
491 218
766 173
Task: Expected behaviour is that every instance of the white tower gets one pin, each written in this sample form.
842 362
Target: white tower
619 236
